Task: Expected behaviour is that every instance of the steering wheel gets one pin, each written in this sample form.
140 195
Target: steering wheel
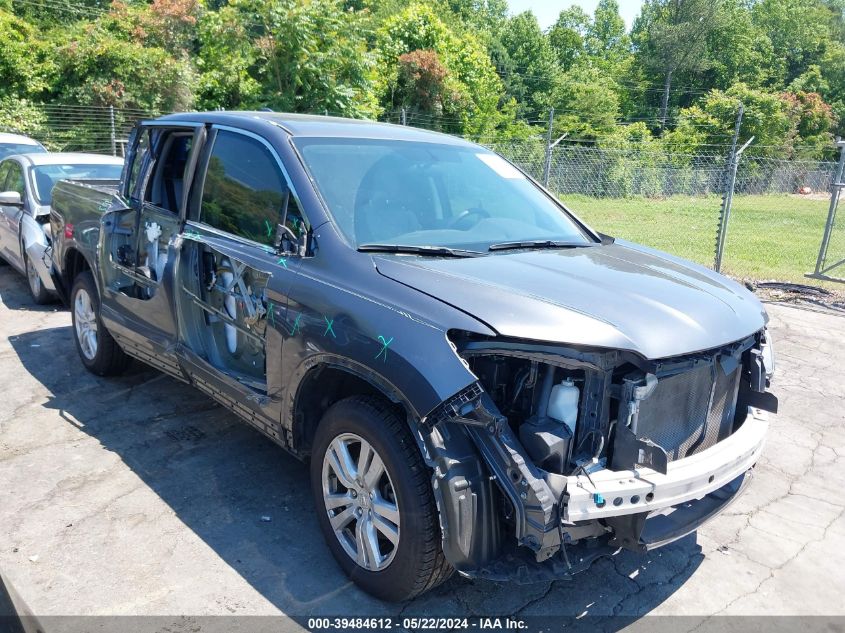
459 221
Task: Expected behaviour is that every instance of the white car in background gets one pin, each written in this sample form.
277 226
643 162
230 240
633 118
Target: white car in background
18 144
26 187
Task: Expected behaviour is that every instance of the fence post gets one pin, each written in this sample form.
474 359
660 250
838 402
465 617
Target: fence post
547 165
727 197
403 117
113 136
835 191
664 101
728 203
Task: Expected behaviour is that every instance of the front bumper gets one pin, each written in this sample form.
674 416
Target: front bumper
559 523
606 493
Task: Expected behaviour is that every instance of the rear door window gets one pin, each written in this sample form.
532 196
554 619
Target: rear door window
165 186
136 159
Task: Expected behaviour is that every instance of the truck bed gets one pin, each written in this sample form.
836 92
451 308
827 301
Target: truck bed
75 216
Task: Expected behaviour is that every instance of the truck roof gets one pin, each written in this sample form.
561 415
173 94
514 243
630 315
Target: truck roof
311 125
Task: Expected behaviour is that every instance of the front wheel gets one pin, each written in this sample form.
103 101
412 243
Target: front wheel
40 294
98 351
374 500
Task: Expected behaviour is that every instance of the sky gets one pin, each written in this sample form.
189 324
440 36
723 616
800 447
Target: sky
548 10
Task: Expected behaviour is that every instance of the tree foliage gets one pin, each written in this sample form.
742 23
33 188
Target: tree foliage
469 80
461 66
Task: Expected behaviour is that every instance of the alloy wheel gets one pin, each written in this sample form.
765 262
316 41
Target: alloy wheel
360 501
85 324
33 278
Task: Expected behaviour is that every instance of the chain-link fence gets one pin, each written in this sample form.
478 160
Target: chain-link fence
672 201
667 201
777 218
74 128
675 202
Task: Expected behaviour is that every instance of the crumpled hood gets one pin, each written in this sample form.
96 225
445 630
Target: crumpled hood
620 296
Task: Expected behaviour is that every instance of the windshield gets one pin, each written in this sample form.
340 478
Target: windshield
425 194
9 149
45 177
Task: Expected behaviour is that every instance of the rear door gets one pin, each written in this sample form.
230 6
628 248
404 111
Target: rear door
141 241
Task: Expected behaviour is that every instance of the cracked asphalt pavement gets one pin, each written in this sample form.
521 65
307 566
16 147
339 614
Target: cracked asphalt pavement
139 495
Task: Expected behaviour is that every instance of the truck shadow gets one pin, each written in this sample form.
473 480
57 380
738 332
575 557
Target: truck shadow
250 502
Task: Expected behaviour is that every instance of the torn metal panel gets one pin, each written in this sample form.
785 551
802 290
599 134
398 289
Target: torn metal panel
38 247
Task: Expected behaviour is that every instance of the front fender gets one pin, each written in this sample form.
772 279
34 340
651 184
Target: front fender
390 331
37 247
465 492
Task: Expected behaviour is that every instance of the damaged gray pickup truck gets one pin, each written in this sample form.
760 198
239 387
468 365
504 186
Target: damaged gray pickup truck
481 382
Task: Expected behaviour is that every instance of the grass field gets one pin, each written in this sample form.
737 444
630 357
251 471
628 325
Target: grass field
769 236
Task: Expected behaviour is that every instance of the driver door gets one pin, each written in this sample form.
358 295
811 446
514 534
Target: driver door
235 273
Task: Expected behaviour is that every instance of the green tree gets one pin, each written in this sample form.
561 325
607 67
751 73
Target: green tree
96 67
19 115
606 38
807 45
532 74
586 103
799 32
588 100
671 37
781 124
475 91
24 62
568 34
739 51
310 56
480 15
226 56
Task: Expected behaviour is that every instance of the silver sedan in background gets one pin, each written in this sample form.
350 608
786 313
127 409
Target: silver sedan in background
18 144
26 186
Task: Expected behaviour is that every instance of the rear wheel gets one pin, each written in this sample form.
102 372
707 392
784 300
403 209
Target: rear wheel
98 351
374 500
39 293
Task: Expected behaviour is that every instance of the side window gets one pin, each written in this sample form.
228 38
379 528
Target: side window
293 218
245 192
166 183
14 181
4 174
138 154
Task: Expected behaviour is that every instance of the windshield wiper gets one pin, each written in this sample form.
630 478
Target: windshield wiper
442 251
504 246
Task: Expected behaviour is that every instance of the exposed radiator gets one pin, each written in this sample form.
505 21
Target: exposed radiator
679 415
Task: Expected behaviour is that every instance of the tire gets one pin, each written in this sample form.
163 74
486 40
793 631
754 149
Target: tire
98 351
416 562
40 294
